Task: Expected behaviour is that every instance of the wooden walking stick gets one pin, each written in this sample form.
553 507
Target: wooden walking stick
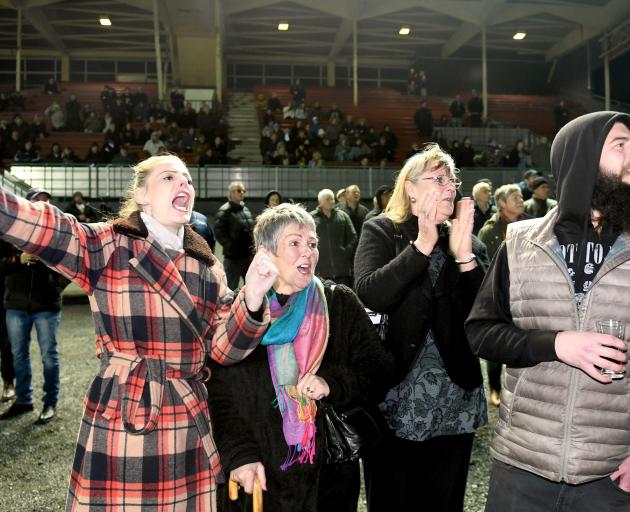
257 495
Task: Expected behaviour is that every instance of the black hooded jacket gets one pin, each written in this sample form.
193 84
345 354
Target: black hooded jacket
575 156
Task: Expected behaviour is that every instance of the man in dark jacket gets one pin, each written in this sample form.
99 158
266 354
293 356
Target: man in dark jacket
563 435
234 226
33 297
355 210
337 240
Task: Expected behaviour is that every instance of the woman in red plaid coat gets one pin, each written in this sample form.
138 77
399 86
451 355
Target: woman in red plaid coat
160 306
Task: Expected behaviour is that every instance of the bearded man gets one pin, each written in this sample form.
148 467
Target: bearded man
562 441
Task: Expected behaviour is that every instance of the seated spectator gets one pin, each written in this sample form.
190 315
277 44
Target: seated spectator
73 114
335 113
51 86
519 157
316 110
123 157
108 120
439 138
268 118
381 152
94 155
199 147
93 123
333 130
280 156
415 148
422 83
111 131
342 151
541 153
412 82
55 156
37 129
128 135
316 160
173 134
12 145
313 128
154 145
188 116
205 121
110 148
4 102
423 118
348 128
298 95
16 101
362 128
493 154
145 133
139 96
81 209
68 156
221 149
20 126
108 98
28 154
274 103
208 158
391 140
301 156
261 102
188 140
539 204
140 112
327 150
119 112
466 155
358 150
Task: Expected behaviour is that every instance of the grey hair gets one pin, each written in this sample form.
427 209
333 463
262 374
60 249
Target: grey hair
482 185
326 192
271 223
505 191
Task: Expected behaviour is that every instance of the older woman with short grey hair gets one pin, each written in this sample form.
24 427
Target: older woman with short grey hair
321 346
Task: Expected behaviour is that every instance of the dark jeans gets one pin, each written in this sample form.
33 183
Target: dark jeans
494 375
6 357
234 270
429 475
515 490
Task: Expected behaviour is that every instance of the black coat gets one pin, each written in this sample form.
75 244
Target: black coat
248 428
392 277
234 228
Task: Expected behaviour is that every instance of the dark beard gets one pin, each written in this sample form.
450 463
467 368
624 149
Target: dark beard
611 198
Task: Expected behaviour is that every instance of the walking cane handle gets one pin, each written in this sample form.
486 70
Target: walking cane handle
257 495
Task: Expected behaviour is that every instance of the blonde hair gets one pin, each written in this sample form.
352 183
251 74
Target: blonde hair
399 207
140 173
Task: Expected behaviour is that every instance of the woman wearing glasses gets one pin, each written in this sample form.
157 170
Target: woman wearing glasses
424 273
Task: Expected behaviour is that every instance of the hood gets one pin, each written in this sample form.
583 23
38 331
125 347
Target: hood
575 155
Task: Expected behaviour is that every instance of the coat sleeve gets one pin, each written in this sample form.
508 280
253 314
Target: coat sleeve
236 330
381 276
491 331
78 251
367 373
222 229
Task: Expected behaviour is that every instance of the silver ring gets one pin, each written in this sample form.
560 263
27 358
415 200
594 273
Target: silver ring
308 389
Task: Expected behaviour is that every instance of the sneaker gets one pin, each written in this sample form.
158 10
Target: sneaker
15 410
47 414
8 392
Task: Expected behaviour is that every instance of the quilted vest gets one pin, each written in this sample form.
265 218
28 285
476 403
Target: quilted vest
556 421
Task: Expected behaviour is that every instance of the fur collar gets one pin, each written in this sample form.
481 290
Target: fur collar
194 245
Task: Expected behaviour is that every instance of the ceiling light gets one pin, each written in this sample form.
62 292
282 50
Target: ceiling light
519 35
404 31
105 21
283 26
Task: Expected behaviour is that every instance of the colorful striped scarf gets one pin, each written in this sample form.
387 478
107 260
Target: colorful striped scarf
296 342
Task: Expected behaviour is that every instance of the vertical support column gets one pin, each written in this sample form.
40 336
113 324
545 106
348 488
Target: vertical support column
330 74
18 52
606 81
355 65
158 50
484 72
218 68
65 67
588 66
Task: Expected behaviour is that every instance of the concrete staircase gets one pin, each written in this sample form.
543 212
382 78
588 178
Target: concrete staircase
244 131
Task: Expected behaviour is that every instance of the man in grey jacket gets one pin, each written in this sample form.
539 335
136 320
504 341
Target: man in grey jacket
562 441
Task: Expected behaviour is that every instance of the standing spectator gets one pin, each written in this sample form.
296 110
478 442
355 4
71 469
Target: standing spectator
509 202
298 95
475 109
353 207
37 129
381 199
233 227
539 204
466 154
199 222
526 183
484 209
337 240
423 118
274 103
7 371
73 114
391 140
273 198
81 209
335 113
541 153
33 297
424 273
154 145
422 83
412 82
28 154
51 86
55 115
519 157
562 439
340 196
93 123
458 111
560 115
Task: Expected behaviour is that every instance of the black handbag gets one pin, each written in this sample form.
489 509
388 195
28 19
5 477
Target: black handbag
350 434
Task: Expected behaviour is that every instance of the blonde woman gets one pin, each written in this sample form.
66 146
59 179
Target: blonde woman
160 306
424 273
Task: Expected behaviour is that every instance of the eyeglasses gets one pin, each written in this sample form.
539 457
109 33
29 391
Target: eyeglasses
442 180
240 190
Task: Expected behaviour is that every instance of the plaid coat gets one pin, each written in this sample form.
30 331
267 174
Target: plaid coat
145 439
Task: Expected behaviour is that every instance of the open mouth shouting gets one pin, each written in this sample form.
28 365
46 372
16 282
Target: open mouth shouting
305 269
182 202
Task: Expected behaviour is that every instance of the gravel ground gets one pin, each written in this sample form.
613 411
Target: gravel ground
35 460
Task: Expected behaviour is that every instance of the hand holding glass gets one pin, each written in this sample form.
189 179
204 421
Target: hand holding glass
617 329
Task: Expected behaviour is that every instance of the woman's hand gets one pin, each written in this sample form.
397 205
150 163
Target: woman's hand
426 211
313 387
623 474
245 475
261 276
460 240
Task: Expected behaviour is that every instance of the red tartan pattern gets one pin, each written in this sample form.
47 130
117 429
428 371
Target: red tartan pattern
145 440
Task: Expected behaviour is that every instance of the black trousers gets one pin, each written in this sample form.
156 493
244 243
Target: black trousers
6 357
339 487
494 375
406 475
515 490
